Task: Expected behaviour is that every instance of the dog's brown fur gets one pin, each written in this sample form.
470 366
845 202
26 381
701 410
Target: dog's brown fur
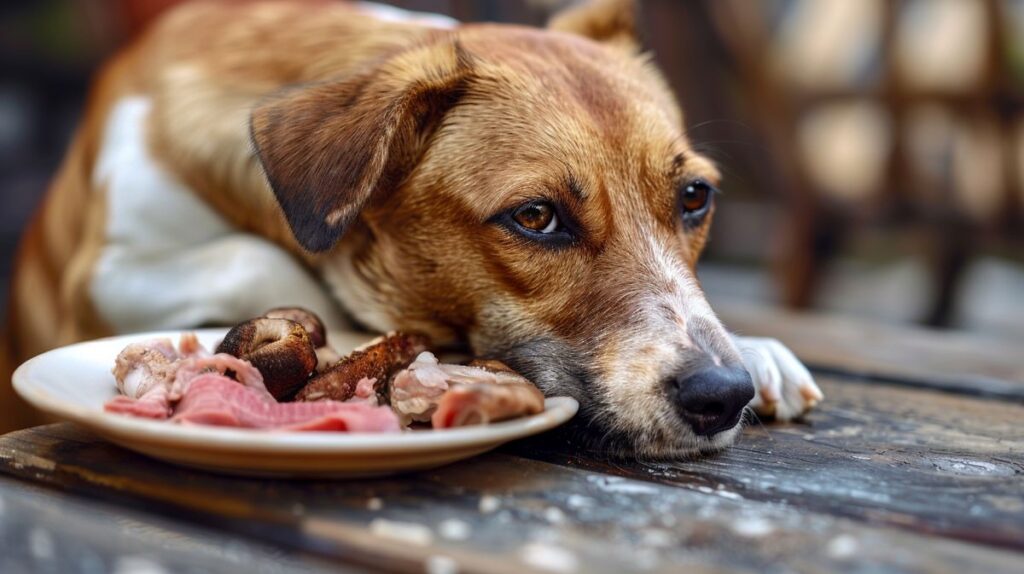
389 149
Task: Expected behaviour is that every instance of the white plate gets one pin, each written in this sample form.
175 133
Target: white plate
74 382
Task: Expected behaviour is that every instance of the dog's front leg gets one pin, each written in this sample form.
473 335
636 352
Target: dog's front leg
785 388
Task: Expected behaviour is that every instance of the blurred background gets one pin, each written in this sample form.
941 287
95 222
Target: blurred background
873 149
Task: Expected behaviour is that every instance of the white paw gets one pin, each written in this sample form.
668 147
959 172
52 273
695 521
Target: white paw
784 386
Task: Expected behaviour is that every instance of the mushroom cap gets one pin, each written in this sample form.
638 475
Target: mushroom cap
279 348
308 319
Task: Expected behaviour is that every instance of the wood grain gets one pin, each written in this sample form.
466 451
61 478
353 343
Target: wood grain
45 531
922 461
496 513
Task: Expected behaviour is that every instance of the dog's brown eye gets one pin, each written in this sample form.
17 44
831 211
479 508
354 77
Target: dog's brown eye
539 217
695 197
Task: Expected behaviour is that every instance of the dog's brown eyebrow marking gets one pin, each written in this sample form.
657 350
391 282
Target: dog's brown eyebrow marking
678 161
575 187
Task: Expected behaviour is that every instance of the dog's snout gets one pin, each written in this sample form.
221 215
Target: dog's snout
712 399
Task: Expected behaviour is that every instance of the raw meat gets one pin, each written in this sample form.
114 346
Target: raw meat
459 395
483 403
416 391
216 400
141 367
153 405
153 375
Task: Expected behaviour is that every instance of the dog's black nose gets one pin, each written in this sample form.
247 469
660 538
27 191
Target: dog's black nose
712 399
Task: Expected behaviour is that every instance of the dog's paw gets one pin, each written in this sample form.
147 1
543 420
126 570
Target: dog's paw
784 386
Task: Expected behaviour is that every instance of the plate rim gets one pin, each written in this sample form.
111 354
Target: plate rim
557 411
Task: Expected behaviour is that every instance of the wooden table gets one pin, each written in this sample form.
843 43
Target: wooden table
914 463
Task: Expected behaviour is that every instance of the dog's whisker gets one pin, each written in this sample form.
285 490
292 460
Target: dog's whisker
753 415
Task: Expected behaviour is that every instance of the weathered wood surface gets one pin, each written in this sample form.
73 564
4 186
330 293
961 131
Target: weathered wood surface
954 362
918 460
502 513
914 463
44 531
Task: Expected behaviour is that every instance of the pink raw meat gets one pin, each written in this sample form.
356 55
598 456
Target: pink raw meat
213 399
220 363
152 405
153 375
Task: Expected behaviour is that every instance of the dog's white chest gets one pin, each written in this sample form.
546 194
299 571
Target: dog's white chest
169 260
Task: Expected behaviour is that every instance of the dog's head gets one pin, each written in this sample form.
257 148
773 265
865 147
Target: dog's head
531 193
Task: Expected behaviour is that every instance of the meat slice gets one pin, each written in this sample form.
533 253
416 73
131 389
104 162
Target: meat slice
483 403
153 405
377 360
213 399
459 395
152 375
220 363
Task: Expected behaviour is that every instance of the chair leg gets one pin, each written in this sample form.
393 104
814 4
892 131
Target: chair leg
815 236
951 253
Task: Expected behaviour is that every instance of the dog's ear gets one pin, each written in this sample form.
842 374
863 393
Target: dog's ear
612 22
329 148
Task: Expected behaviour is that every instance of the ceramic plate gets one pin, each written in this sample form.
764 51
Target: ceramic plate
74 382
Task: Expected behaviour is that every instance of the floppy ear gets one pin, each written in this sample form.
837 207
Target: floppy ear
612 22
329 148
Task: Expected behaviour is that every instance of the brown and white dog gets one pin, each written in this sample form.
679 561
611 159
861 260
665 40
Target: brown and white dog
530 193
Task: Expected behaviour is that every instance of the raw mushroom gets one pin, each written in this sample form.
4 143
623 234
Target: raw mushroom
280 349
308 319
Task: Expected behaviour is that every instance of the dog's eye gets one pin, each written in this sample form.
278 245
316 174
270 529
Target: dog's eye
695 198
539 216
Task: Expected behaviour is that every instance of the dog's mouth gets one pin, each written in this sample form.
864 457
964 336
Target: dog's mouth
646 428
606 439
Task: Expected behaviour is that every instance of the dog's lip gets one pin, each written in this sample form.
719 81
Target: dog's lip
733 423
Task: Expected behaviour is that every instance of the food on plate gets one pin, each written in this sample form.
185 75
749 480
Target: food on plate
278 372
310 322
378 360
279 348
460 395
325 358
152 375
482 403
217 400
189 385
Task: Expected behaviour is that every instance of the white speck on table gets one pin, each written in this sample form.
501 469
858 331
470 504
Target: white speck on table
40 544
579 501
549 557
374 503
454 529
409 532
489 504
554 515
842 546
438 564
137 565
619 485
753 527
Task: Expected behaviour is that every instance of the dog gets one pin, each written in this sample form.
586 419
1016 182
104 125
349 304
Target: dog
527 193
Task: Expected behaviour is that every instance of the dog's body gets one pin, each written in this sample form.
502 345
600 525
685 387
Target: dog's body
513 189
